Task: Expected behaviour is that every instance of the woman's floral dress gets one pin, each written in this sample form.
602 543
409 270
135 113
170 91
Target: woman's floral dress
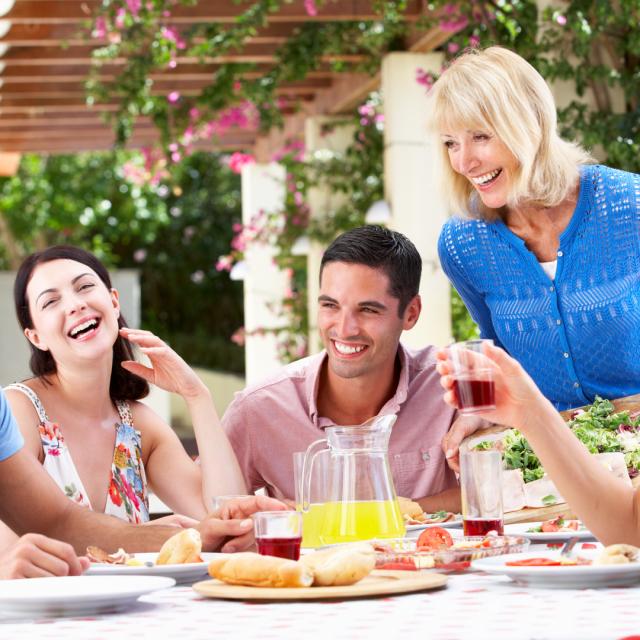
127 491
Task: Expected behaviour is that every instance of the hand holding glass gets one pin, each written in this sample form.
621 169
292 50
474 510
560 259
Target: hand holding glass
278 533
473 383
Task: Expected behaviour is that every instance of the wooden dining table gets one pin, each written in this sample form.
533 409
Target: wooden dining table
472 606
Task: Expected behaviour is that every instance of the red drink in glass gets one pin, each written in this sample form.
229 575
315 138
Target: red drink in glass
482 526
280 547
473 394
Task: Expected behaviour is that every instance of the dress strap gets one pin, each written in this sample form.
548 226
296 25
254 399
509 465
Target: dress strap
125 412
33 396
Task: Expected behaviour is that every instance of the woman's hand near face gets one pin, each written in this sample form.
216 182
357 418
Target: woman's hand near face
517 398
168 370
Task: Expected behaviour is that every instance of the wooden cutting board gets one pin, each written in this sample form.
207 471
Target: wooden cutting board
531 514
377 583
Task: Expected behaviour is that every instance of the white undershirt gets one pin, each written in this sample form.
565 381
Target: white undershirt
550 268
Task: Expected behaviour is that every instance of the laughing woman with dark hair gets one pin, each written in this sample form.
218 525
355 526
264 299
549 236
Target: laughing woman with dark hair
80 414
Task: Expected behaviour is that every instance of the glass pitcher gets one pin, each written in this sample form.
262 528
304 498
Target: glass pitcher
357 500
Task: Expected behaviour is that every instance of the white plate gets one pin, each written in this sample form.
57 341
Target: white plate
520 529
413 530
565 577
78 595
181 573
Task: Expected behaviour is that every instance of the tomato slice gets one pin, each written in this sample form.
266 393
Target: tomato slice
534 562
433 539
398 566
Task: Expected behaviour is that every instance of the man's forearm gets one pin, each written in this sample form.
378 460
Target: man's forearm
30 502
447 500
80 528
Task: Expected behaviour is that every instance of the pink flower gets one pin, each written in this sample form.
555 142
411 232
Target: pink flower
176 156
239 160
310 7
474 41
173 97
236 227
224 263
100 28
121 14
455 24
561 20
453 47
140 255
425 78
239 336
134 7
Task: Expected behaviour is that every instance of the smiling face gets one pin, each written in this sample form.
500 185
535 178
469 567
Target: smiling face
484 160
73 312
358 320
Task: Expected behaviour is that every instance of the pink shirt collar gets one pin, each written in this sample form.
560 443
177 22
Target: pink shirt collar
312 383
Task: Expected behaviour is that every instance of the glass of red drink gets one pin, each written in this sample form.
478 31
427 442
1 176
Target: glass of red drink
473 383
481 487
278 533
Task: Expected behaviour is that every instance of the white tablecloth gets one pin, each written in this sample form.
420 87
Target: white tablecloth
471 607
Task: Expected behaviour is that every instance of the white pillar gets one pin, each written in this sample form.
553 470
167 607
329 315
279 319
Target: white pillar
322 202
264 284
411 187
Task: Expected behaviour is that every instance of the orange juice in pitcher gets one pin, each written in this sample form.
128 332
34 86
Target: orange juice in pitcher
361 520
354 499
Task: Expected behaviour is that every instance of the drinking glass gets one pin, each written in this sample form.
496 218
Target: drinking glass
473 383
278 533
481 487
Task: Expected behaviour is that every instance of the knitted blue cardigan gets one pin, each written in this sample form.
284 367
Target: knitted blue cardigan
577 335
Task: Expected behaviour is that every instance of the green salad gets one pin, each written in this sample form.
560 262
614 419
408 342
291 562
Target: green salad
599 427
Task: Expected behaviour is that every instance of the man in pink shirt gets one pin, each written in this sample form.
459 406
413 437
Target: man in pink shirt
369 282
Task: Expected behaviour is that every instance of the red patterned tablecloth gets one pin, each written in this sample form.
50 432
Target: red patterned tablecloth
473 606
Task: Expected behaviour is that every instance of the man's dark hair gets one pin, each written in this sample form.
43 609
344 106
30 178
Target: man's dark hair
380 248
124 385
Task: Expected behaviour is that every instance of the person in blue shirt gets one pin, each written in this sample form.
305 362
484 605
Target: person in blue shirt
30 501
546 250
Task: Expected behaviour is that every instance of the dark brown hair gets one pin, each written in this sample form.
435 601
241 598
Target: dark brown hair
124 385
380 248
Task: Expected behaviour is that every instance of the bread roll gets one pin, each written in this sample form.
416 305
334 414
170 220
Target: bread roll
618 554
340 566
409 508
255 570
182 548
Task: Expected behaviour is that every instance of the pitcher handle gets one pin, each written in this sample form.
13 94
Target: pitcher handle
305 476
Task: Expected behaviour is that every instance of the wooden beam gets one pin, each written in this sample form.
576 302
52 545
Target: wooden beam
77 11
81 55
45 35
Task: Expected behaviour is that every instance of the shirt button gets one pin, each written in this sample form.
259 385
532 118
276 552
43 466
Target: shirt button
560 254
551 288
426 457
565 354
558 321
576 385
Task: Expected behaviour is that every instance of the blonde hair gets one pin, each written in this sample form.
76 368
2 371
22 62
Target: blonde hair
498 91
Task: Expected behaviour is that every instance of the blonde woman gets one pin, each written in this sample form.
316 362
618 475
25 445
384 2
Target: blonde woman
545 251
